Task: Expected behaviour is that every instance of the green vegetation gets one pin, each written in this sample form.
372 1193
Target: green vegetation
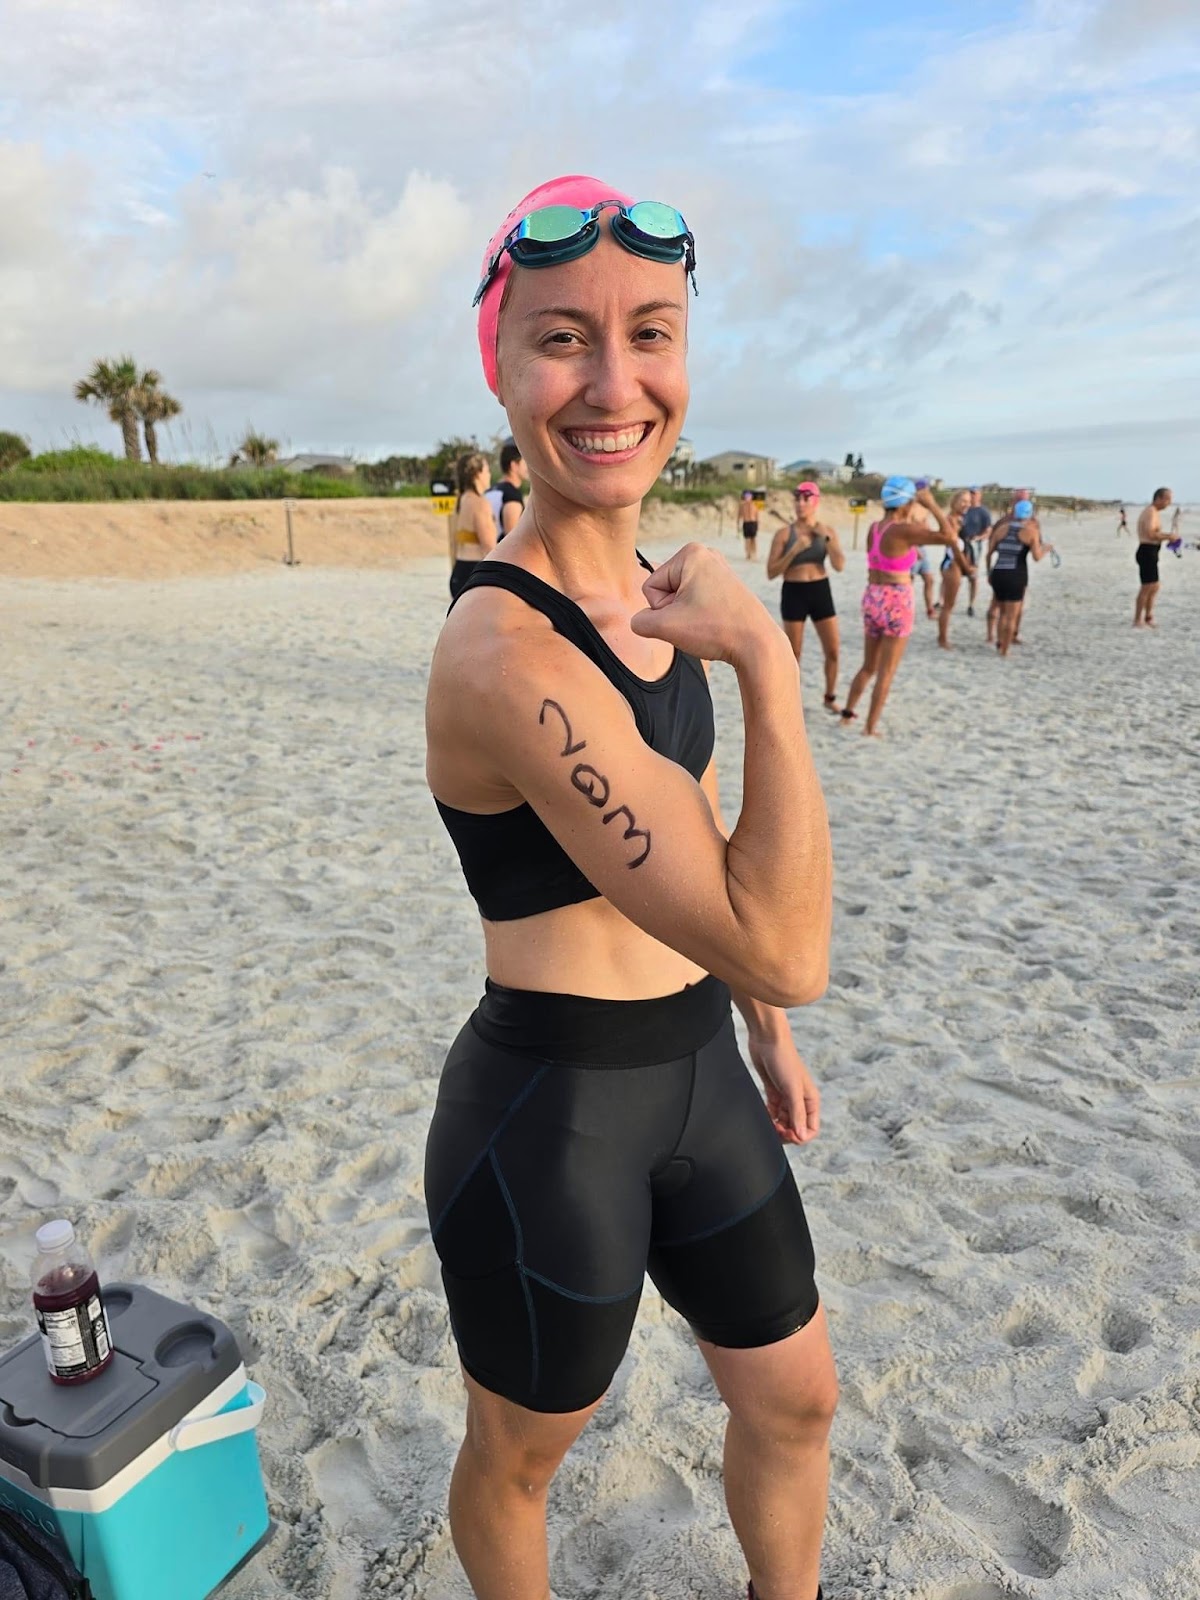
13 450
82 475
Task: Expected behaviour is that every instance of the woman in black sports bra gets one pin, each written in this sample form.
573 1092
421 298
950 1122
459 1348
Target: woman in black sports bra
595 1119
798 554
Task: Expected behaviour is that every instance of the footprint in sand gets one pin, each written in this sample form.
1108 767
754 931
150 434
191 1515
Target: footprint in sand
1028 1533
345 1484
1122 1331
1024 1329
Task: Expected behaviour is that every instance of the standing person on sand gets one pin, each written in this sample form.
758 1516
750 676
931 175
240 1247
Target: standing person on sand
472 527
977 519
798 554
749 507
1013 541
507 499
999 529
595 1119
1123 524
887 604
1151 537
952 571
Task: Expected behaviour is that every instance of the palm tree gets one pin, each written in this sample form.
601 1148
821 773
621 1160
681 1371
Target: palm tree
115 384
154 405
257 449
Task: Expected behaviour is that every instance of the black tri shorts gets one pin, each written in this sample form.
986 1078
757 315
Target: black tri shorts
1009 586
579 1143
798 602
1147 561
459 573
749 530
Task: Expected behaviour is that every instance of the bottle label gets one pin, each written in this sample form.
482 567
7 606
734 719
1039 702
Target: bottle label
76 1340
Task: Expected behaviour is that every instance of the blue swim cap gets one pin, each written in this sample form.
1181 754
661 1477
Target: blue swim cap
1022 511
898 492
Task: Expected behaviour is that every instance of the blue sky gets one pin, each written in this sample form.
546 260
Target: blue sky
957 238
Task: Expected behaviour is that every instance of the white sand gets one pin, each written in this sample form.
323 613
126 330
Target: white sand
235 945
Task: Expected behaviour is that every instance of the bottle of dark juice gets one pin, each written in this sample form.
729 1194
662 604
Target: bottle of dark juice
66 1296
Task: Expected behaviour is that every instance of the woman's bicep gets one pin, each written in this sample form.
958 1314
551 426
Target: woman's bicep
638 826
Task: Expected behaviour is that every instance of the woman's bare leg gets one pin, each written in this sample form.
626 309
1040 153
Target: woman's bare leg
863 676
890 652
951 580
831 643
795 637
1007 628
498 1493
781 1403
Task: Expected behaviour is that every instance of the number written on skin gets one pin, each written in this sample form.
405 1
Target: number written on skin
592 785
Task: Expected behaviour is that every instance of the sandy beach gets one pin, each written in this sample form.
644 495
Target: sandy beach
236 944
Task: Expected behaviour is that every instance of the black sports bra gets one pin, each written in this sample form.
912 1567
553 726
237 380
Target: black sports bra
513 864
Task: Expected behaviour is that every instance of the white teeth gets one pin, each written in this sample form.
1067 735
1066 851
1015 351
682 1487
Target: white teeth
606 443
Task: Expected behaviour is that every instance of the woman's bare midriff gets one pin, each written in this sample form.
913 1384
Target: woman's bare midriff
589 949
814 574
875 576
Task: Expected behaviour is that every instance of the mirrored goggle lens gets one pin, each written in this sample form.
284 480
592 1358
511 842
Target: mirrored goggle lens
656 220
552 224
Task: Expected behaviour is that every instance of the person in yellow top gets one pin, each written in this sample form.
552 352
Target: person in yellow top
473 531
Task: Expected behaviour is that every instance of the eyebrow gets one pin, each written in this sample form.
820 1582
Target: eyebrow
578 314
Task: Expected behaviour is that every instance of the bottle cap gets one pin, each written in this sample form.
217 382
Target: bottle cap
54 1236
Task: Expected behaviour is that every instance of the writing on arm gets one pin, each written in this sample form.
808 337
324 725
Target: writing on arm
594 786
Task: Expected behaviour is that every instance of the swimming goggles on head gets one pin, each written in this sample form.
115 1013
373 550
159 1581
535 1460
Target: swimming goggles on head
554 234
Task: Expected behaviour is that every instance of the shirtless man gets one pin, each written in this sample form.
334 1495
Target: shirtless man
750 524
1151 537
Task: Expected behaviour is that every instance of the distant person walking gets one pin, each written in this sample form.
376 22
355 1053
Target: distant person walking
472 527
952 568
1151 537
1013 541
507 498
1123 524
798 554
750 524
893 545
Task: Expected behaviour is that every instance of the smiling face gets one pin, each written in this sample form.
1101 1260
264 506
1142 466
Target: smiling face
592 372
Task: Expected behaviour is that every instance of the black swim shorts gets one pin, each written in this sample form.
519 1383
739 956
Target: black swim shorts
459 573
749 530
579 1143
1147 561
1009 587
798 602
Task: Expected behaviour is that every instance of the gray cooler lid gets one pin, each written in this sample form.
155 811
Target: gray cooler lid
167 1358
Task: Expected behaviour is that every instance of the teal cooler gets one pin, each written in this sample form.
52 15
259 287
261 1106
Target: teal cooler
150 1472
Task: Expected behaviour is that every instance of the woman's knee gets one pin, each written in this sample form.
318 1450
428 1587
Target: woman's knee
524 1449
802 1416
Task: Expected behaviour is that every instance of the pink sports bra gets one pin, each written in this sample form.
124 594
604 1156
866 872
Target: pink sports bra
876 557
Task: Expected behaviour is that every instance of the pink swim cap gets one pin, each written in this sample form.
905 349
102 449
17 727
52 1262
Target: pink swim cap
570 191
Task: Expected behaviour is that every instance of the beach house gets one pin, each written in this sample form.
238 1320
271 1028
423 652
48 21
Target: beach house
743 465
830 471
